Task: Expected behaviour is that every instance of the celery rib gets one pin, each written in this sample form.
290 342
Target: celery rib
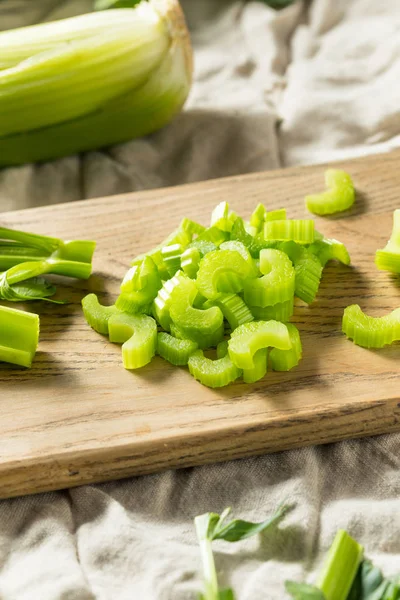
371 332
19 336
338 197
388 259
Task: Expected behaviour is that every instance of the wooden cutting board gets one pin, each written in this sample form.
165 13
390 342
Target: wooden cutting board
77 416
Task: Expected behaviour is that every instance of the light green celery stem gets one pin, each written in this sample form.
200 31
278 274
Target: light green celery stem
19 336
256 373
203 246
388 259
296 230
207 558
97 315
250 337
222 218
371 332
93 72
258 217
340 568
138 336
175 351
276 215
203 340
254 244
171 256
192 227
139 287
222 271
284 360
213 373
278 312
339 196
330 249
190 261
233 308
214 235
244 253
308 270
277 283
185 316
162 302
134 113
31 240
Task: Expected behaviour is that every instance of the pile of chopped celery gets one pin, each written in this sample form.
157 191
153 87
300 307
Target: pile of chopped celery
229 287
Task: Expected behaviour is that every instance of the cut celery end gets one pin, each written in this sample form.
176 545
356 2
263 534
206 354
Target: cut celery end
203 340
162 302
276 215
276 285
244 253
19 336
300 231
222 271
234 309
370 332
185 316
190 261
138 336
340 568
97 315
213 373
339 196
329 249
388 261
174 350
284 360
278 312
260 359
250 337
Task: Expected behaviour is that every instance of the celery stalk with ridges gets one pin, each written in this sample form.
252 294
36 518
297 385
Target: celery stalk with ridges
19 336
91 81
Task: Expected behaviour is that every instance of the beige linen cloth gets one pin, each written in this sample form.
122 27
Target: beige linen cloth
314 82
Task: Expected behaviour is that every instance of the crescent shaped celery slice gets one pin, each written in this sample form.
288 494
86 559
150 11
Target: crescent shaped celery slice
97 315
257 372
138 336
371 332
296 230
222 271
203 340
338 197
329 249
162 302
250 337
185 316
388 259
284 360
174 350
277 283
234 309
213 373
139 287
282 311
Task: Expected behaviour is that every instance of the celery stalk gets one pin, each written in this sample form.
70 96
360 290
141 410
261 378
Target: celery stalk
19 336
340 568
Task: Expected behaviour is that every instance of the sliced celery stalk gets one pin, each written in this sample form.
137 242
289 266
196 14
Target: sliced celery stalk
222 271
339 196
213 373
284 360
329 249
174 350
370 332
296 230
97 315
278 312
185 316
340 568
260 359
19 336
388 259
250 337
276 285
138 336
233 308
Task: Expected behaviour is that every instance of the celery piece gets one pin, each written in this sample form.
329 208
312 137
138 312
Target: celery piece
138 336
233 308
214 235
330 249
172 257
188 318
97 315
258 217
244 253
338 197
284 360
282 311
253 243
296 230
250 337
308 270
190 261
260 366
388 259
162 302
276 285
213 373
174 350
191 227
143 283
276 215
340 568
19 336
222 217
222 271
203 340
203 246
370 332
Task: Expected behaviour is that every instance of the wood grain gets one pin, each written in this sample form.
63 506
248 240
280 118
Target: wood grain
77 416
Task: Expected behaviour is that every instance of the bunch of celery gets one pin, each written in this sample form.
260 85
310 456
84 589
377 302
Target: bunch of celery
229 286
24 259
91 81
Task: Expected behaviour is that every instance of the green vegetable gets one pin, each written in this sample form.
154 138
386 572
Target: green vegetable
282 311
277 283
96 314
340 568
91 81
257 372
234 309
222 271
210 527
284 360
371 332
139 286
388 259
296 230
175 351
250 337
308 270
339 196
222 217
329 249
138 336
213 373
19 336
162 302
190 261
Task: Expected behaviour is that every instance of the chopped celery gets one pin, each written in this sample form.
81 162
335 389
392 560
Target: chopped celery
214 235
388 259
276 215
258 217
162 302
284 360
222 271
203 340
277 283
296 230
176 351
138 336
282 311
243 251
190 261
308 270
203 246
330 249
213 373
233 308
222 217
19 336
340 568
253 243
260 366
96 314
186 317
250 337
171 256
371 332
339 196
191 227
